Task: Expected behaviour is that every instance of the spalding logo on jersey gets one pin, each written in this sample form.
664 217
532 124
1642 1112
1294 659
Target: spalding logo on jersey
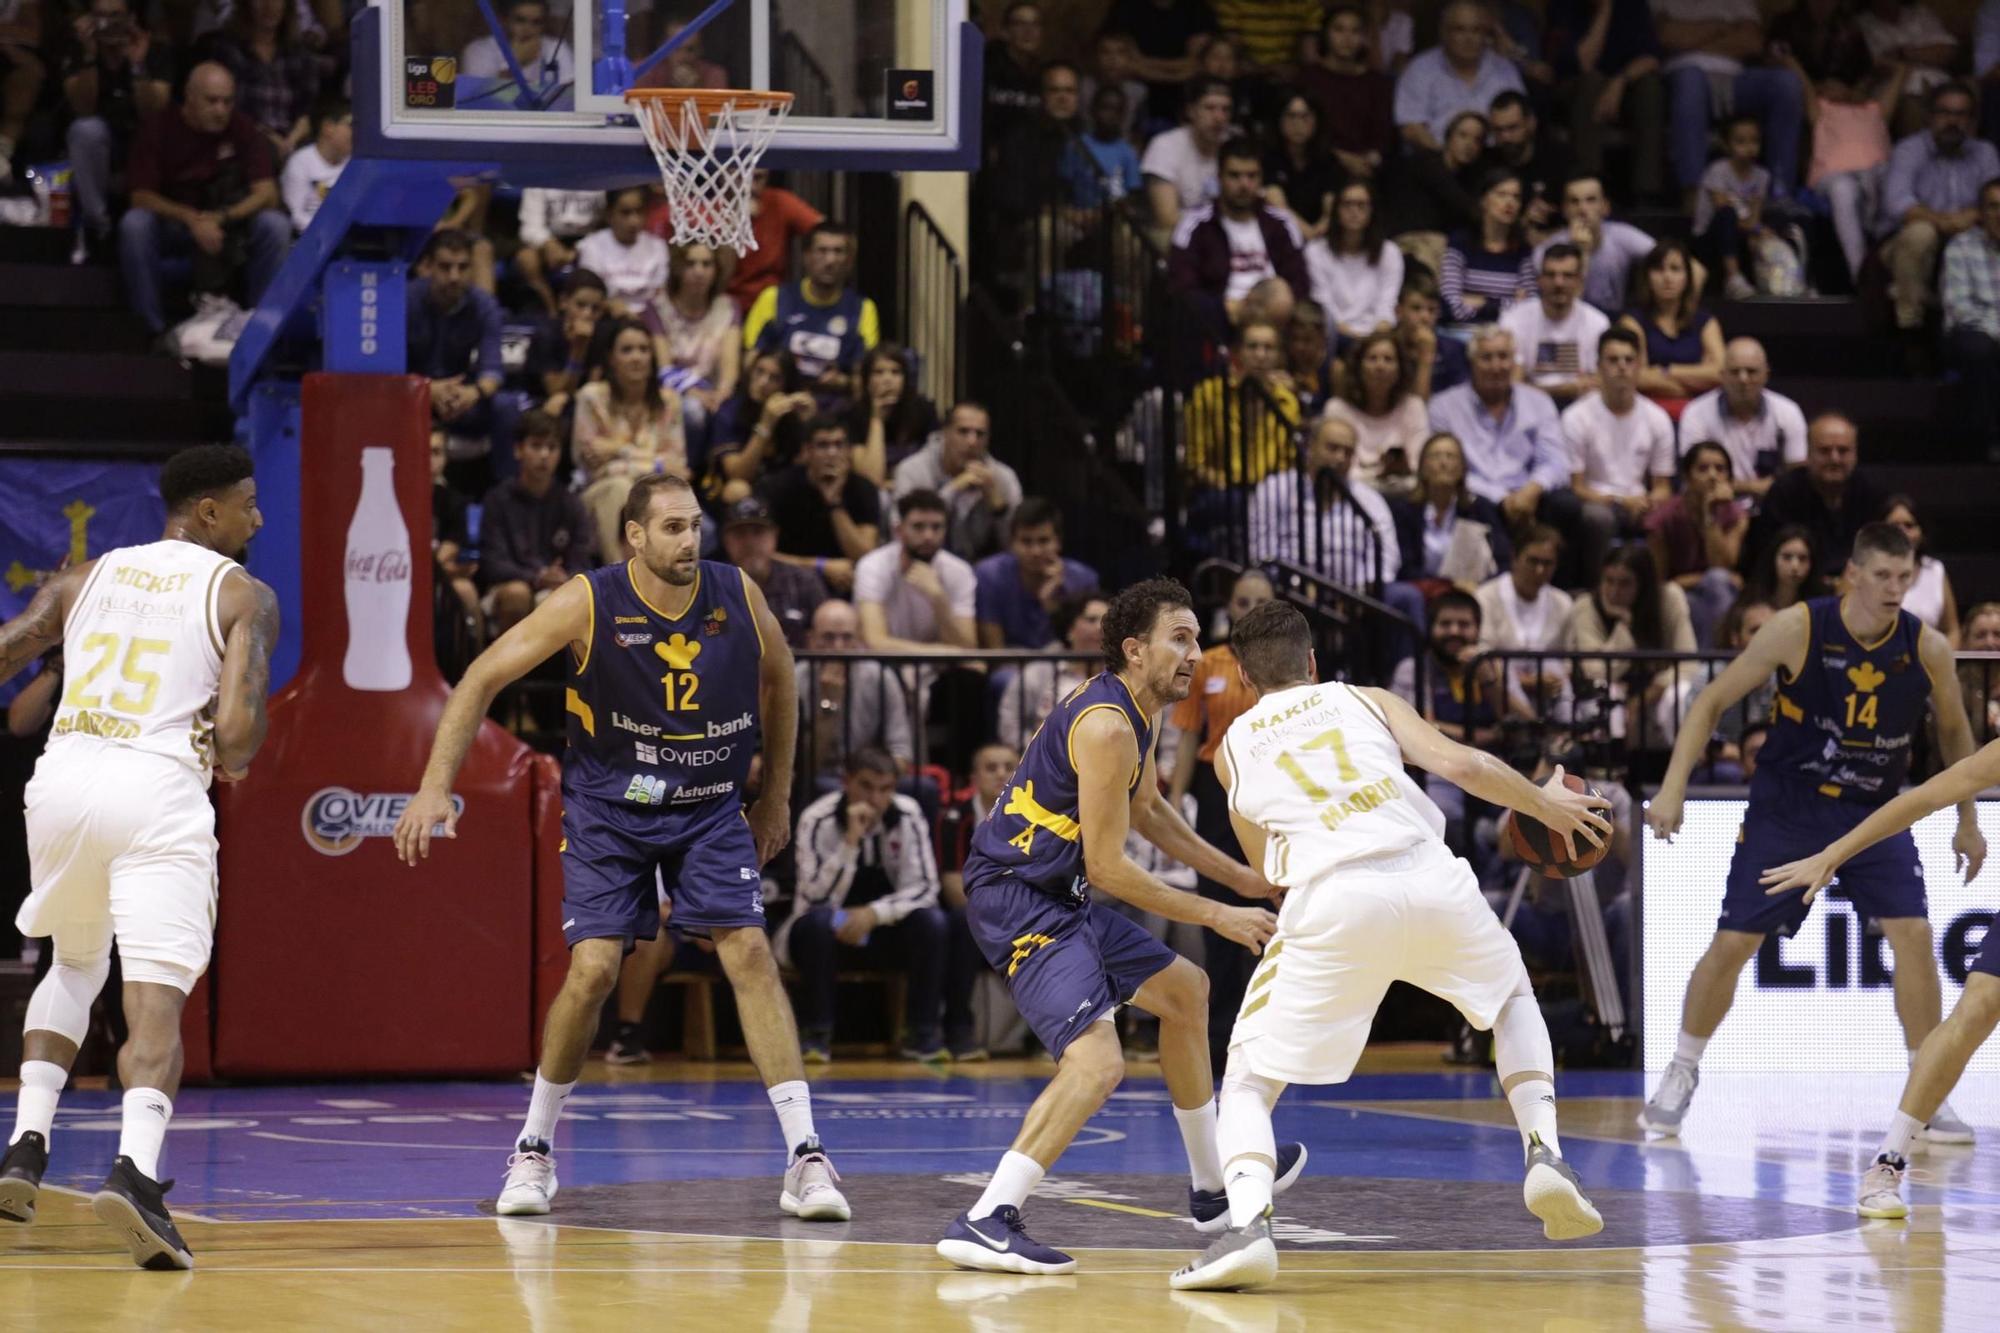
335 819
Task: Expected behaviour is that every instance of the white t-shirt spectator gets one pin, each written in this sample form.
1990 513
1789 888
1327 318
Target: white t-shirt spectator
1763 446
1619 455
554 64
567 214
1555 351
1174 158
306 180
1511 624
1355 293
1249 261
634 274
878 578
1706 11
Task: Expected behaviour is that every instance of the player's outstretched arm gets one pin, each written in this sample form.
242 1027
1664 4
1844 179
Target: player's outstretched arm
1105 753
249 615
1957 785
1568 814
778 709
1955 743
40 627
1781 643
1159 821
564 618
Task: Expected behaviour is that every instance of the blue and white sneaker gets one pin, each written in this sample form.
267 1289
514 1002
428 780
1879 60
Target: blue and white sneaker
1000 1244
1211 1207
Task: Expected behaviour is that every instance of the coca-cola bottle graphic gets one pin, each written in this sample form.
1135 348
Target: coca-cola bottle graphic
377 578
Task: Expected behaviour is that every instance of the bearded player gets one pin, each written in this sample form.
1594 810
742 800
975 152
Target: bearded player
677 667
167 661
1320 799
1059 828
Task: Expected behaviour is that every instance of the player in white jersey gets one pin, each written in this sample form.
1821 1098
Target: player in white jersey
1320 800
166 654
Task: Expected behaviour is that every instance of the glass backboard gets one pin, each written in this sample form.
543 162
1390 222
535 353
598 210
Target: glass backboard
876 83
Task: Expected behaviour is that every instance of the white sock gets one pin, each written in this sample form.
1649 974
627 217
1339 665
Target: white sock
1901 1130
793 1103
1013 1181
144 1128
1198 1136
544 1109
41 1084
1689 1048
1249 1189
1534 1103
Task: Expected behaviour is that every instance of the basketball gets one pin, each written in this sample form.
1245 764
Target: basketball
1535 845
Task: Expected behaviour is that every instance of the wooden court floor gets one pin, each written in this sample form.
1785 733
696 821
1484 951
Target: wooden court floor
358 1207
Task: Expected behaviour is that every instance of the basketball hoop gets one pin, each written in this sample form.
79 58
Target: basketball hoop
708 142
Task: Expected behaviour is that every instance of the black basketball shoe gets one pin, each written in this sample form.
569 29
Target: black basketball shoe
136 1208
21 1177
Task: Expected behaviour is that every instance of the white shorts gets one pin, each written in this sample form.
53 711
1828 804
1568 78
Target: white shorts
1416 917
122 844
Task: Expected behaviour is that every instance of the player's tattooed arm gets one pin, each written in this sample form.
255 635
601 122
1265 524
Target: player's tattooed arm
40 627
778 707
250 629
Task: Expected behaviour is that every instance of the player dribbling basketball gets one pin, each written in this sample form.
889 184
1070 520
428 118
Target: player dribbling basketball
1320 800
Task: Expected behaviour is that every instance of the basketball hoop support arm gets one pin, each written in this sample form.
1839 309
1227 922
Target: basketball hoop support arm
500 39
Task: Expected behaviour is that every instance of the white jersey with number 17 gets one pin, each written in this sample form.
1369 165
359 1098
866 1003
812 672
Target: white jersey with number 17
142 654
1317 768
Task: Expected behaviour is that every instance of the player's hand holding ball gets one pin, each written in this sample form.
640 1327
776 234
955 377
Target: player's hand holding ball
1565 836
1251 927
426 810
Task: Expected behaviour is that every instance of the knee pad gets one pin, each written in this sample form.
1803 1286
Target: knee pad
61 1002
162 973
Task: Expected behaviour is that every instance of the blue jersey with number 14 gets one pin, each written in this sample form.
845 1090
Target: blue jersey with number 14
663 710
1842 727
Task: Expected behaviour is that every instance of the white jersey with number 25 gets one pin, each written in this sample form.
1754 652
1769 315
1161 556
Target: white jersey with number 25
142 653
1317 768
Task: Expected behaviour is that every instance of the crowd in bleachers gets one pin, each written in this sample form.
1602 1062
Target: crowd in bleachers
1429 358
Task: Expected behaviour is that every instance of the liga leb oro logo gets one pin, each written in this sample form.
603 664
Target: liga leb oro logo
336 819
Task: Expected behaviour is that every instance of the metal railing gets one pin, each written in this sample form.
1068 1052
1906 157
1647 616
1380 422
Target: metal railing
931 296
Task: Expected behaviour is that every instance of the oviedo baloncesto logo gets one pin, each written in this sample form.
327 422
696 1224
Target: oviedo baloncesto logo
335 819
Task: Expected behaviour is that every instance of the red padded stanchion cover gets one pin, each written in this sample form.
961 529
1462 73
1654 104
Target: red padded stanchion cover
332 958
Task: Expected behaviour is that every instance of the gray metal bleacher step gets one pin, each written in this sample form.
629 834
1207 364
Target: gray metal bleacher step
36 245
91 329
1822 336
1902 421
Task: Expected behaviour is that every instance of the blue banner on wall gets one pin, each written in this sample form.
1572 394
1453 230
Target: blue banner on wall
52 509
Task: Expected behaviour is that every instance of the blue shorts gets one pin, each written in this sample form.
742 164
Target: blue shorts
1066 964
704 856
1884 882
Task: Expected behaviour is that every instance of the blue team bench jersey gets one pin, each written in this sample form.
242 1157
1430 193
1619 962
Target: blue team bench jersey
663 711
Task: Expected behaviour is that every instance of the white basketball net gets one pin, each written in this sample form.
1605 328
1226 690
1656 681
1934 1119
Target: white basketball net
708 146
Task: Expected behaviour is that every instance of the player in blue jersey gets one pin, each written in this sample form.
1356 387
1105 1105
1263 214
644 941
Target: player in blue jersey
1941 1062
1086 779
1854 673
677 669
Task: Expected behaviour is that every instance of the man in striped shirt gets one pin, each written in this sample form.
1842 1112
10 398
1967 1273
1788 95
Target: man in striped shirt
867 896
